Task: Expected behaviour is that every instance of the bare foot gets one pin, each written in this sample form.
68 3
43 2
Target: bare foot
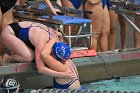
5 58
1 61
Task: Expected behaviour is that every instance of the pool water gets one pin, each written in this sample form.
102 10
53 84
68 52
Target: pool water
131 83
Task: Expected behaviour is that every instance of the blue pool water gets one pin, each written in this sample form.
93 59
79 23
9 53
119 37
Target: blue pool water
131 83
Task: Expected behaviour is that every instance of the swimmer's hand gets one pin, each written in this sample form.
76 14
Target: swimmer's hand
55 11
68 75
59 34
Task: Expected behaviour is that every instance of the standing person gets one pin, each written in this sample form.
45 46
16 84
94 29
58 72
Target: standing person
123 31
113 21
75 4
103 42
6 17
26 41
97 18
136 33
101 24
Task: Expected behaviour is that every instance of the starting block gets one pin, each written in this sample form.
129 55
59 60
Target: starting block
39 11
127 9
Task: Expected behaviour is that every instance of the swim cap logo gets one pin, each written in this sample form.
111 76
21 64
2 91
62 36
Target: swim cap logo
60 52
11 82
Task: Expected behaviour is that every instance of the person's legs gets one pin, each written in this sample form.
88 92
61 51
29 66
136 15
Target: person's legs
123 30
22 52
137 34
1 47
74 27
97 22
112 35
0 19
105 31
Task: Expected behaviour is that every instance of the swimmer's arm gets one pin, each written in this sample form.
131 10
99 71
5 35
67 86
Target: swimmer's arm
42 68
51 7
59 2
49 60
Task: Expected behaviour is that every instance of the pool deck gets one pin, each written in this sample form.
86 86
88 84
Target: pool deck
111 64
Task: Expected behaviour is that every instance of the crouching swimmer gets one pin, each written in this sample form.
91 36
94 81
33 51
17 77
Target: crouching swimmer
9 84
27 40
58 53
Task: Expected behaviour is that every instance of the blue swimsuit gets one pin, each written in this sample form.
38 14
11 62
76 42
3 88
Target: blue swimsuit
23 33
106 2
65 86
76 3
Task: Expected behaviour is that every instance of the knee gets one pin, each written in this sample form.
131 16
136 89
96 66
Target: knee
112 30
96 35
105 32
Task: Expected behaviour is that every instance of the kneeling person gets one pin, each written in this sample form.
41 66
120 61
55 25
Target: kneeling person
27 41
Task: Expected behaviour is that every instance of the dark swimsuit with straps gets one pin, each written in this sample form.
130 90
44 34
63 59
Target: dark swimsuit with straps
7 5
76 3
66 86
23 33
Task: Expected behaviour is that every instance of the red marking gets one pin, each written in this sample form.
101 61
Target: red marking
20 68
138 54
83 53
124 56
16 69
23 67
132 55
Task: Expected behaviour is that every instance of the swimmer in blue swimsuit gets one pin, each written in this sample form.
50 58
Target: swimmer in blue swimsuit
26 40
60 53
23 33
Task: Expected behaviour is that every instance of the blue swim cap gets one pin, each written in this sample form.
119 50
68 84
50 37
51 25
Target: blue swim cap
9 84
61 51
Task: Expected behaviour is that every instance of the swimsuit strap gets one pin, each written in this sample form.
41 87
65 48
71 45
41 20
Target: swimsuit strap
41 28
70 83
74 70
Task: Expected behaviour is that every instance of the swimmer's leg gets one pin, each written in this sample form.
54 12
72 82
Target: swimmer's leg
137 34
112 35
103 43
97 22
21 52
123 30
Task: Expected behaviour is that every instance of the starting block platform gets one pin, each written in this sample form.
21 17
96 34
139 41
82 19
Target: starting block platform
58 22
118 63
